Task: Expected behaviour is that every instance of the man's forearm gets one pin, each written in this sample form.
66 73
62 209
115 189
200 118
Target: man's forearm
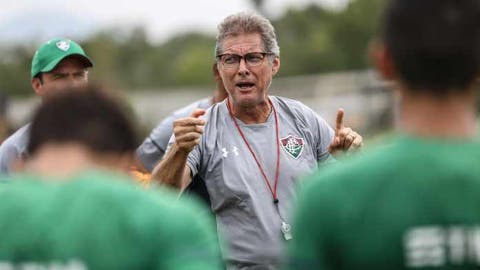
172 169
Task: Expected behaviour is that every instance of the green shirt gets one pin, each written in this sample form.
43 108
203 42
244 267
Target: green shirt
415 204
98 221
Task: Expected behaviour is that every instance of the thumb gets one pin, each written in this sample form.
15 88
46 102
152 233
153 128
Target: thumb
339 121
197 113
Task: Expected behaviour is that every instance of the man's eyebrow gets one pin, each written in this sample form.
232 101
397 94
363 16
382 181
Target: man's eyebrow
56 73
83 71
66 73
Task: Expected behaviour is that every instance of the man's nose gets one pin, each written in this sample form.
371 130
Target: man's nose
243 68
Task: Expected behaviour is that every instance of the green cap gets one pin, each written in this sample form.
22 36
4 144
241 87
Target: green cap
48 56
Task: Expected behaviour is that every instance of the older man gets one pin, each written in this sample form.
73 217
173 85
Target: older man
253 148
58 64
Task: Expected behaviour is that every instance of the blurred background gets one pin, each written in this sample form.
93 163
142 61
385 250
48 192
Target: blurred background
160 53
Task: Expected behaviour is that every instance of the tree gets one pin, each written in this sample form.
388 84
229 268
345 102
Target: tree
312 40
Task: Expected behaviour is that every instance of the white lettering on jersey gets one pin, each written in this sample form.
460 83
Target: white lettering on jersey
456 242
437 246
53 265
424 247
225 152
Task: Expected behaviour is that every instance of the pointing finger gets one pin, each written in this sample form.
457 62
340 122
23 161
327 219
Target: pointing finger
339 122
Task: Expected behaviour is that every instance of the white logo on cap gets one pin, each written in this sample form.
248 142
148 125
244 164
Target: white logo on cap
63 45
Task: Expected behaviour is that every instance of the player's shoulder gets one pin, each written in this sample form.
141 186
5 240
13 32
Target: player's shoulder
156 211
120 193
158 195
290 103
14 147
25 192
88 185
358 170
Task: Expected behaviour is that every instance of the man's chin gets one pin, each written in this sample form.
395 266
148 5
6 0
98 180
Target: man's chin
247 102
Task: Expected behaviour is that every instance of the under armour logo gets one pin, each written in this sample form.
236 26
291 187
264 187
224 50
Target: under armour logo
225 152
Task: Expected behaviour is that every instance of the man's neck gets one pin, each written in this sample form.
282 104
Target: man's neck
252 114
59 161
62 160
449 117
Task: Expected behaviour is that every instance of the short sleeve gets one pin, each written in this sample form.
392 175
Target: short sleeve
193 160
322 133
8 154
324 139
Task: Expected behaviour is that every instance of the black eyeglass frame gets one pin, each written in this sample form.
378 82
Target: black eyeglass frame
244 57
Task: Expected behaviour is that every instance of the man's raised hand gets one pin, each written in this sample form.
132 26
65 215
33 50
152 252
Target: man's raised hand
188 130
345 138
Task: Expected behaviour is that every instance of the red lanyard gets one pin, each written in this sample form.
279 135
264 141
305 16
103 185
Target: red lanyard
277 169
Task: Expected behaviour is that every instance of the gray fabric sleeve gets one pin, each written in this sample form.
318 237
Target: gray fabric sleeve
14 148
8 153
326 134
152 150
193 160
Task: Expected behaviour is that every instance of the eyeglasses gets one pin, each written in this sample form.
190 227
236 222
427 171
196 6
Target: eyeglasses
232 61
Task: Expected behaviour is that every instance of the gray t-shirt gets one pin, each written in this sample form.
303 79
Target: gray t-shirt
14 148
240 198
151 151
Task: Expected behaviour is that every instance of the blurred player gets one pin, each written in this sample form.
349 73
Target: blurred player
73 208
415 205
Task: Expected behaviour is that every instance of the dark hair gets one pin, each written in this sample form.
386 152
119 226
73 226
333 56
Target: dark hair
435 44
89 116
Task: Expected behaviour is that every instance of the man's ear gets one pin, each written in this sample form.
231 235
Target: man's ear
216 73
37 86
382 60
275 65
215 69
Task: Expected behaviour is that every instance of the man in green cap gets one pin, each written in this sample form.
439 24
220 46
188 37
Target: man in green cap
58 64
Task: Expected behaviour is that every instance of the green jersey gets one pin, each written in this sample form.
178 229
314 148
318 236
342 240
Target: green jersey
98 221
415 204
